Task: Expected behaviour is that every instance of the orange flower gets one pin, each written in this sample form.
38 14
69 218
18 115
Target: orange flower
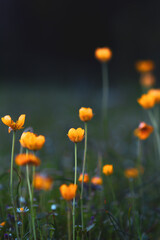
103 54
97 180
76 135
144 66
131 173
2 224
32 141
108 169
24 159
86 178
143 131
147 80
42 182
68 192
146 101
155 93
85 114
7 120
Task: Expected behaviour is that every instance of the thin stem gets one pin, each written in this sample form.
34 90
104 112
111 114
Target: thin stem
31 201
83 171
11 182
104 91
69 221
75 181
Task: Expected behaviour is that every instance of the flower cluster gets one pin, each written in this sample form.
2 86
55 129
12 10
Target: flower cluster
150 99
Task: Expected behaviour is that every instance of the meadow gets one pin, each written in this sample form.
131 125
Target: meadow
121 203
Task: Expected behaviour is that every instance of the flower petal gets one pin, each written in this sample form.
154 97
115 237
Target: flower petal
7 120
20 121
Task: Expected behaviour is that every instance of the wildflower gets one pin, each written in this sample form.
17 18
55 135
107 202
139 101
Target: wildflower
144 66
7 120
42 182
97 181
68 192
32 141
131 173
155 93
103 54
2 224
146 101
86 178
24 159
76 135
108 169
53 207
143 131
85 114
22 210
147 80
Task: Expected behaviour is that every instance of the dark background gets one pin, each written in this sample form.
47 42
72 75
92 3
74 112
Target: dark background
47 40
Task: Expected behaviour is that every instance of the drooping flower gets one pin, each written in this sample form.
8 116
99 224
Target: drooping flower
145 66
97 180
24 159
2 224
143 131
68 192
13 126
32 141
103 54
146 101
147 80
108 169
131 173
86 178
42 182
76 135
155 94
85 114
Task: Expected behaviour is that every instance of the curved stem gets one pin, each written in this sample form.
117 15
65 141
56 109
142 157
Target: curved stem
83 171
75 181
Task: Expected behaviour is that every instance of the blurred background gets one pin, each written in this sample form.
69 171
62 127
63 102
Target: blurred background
54 41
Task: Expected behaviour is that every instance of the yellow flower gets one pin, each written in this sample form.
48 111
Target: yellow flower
155 94
131 173
86 178
144 66
146 101
108 169
147 80
143 131
97 181
32 141
42 182
76 135
2 224
68 192
103 54
7 120
85 114
24 159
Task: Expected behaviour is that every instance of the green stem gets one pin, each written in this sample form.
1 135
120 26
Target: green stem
83 171
11 183
104 90
69 222
75 181
31 201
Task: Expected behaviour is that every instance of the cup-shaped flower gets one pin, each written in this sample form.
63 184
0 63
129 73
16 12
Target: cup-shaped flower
2 224
42 182
155 94
85 114
103 54
108 169
131 173
146 101
32 141
76 135
97 180
86 178
68 192
147 80
24 159
7 120
144 66
143 131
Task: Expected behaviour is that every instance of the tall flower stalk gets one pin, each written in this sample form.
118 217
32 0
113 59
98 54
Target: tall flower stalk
75 182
